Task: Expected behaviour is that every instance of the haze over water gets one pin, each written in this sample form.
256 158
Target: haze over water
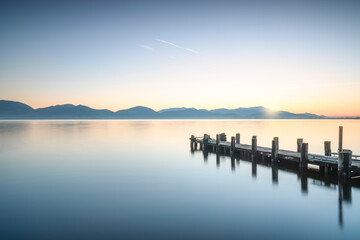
139 179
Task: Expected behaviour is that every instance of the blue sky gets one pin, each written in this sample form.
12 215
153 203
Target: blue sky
291 55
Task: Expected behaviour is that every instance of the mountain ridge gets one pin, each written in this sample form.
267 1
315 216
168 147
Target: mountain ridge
18 110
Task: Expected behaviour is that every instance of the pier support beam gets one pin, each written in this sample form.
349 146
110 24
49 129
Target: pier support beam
232 146
232 163
254 169
327 148
304 156
344 164
275 173
304 182
223 137
327 151
340 139
238 138
254 146
205 140
276 139
217 142
192 140
274 151
205 154
299 143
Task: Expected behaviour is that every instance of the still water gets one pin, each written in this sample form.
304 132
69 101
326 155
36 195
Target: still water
138 179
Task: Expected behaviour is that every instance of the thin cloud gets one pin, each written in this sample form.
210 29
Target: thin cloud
177 46
147 47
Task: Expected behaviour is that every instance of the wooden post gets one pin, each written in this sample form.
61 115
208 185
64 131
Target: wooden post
232 162
254 145
327 152
192 139
304 156
327 148
277 142
274 151
275 173
299 143
205 140
223 137
217 142
340 162
232 146
254 169
205 154
201 146
238 138
345 162
340 139
304 182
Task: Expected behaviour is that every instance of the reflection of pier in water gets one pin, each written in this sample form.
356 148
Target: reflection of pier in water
328 179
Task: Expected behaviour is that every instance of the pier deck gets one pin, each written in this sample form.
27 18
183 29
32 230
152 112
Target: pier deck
330 161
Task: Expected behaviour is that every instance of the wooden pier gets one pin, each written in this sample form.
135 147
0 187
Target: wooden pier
342 161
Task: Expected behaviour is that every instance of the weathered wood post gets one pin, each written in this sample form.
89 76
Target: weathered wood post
327 148
238 138
254 169
275 173
232 146
299 143
304 182
217 142
192 139
223 137
345 162
205 154
232 163
327 152
340 139
274 151
303 156
277 142
254 146
205 140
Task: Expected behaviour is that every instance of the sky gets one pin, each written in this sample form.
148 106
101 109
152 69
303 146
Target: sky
298 56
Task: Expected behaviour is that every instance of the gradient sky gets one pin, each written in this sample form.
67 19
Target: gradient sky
300 56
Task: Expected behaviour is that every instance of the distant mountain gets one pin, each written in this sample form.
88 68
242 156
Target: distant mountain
136 112
71 111
11 109
174 109
17 110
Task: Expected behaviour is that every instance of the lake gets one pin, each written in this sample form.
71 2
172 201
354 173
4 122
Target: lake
138 179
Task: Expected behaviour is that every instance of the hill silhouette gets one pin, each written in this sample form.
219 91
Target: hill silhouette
17 110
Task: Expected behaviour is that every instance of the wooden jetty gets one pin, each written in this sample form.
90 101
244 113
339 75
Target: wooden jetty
343 161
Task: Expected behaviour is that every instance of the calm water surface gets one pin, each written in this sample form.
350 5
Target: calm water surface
139 179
